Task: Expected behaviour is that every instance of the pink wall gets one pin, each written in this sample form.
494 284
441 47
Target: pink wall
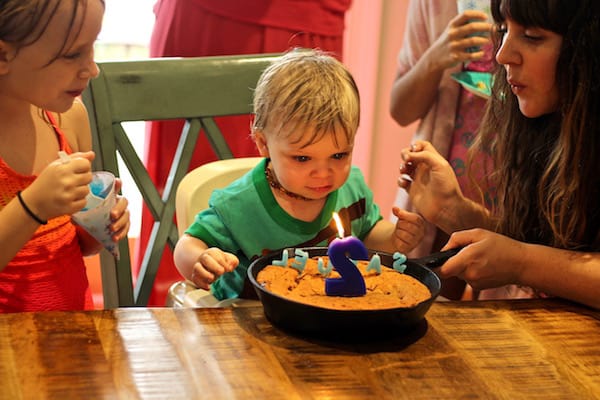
374 33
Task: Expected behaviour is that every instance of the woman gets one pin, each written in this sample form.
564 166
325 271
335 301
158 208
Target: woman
542 128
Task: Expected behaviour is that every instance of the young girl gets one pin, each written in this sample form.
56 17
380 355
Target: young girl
543 128
306 115
46 61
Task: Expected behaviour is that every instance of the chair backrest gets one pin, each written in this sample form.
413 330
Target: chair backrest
195 188
194 89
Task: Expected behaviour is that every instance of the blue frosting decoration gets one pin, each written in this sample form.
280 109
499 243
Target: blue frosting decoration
399 260
284 259
321 266
375 264
300 262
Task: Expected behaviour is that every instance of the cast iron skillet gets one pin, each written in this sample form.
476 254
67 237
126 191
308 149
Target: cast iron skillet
313 320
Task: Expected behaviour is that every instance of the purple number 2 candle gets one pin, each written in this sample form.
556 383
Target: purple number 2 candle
351 283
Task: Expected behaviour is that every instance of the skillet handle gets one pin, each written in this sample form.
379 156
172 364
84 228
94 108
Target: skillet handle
437 259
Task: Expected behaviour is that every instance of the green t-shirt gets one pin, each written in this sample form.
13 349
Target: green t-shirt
245 219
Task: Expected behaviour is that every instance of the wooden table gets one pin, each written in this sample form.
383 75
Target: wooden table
544 349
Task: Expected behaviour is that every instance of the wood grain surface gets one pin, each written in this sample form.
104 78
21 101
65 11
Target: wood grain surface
531 349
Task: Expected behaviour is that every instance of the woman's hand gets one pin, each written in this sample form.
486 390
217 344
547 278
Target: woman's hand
429 180
211 264
488 259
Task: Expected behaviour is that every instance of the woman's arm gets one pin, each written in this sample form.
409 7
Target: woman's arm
433 189
490 260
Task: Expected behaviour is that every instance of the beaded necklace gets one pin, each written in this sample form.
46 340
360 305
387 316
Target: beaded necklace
277 186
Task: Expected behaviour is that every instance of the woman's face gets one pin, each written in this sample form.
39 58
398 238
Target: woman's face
529 56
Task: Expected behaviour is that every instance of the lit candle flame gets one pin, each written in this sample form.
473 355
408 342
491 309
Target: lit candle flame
338 222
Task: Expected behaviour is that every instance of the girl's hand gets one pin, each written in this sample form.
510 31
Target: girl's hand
410 230
462 33
487 260
211 264
429 180
119 215
62 187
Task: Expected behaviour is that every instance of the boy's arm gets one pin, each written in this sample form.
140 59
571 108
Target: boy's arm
404 236
187 252
199 263
380 237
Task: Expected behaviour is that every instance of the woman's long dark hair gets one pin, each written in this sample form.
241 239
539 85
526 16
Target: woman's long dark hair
547 169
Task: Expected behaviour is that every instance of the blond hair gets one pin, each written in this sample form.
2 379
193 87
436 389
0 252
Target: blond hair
307 88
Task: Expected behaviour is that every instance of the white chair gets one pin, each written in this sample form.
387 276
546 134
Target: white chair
192 196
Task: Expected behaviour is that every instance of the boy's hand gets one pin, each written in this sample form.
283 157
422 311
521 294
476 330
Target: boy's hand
211 264
410 230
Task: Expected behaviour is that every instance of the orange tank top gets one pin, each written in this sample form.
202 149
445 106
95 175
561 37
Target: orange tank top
48 273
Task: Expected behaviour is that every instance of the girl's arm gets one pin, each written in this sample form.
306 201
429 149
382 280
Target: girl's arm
60 189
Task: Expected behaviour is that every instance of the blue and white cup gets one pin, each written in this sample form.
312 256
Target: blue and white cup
95 216
479 5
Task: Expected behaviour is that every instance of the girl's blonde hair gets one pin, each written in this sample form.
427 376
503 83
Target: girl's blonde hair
307 88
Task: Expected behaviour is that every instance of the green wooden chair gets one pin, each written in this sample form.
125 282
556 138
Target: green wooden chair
194 89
